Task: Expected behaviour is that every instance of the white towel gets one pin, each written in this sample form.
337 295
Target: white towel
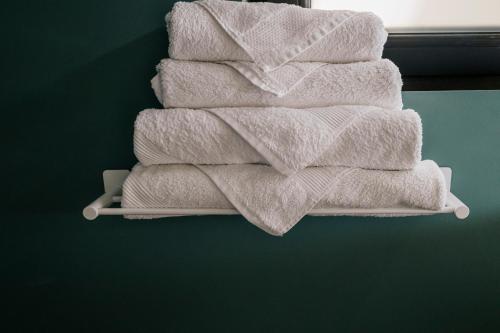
191 84
271 34
288 139
275 203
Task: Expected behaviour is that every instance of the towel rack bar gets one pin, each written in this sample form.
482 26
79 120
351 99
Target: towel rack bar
459 208
113 180
166 212
92 211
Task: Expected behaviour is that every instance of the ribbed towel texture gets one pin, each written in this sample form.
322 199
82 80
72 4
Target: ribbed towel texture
274 110
270 34
193 84
288 139
258 39
274 202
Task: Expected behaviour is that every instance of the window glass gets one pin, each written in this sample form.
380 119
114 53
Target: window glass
426 15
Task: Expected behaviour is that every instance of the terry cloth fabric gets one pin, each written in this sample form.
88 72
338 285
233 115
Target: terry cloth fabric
288 139
271 34
191 84
274 202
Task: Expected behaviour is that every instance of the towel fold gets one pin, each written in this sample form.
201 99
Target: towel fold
288 139
192 84
275 203
271 34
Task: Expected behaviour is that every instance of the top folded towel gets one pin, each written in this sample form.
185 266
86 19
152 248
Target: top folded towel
271 34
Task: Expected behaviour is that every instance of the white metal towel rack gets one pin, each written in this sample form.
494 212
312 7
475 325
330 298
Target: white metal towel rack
113 180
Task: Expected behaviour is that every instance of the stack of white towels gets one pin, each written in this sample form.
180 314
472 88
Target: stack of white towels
275 110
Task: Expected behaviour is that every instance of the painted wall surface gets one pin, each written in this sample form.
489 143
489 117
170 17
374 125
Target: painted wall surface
74 74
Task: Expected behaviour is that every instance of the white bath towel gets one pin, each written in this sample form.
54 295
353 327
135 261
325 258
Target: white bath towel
192 84
271 34
288 139
275 203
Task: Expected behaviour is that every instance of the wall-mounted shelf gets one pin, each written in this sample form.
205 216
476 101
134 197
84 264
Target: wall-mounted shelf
113 180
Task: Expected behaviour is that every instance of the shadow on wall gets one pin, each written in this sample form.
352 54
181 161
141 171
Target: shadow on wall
80 125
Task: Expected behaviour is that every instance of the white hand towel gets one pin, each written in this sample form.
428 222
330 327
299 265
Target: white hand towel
192 84
288 139
271 34
275 203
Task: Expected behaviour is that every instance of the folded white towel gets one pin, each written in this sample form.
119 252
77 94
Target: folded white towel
192 84
271 34
275 203
288 139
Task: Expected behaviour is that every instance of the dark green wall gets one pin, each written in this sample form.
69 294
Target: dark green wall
73 76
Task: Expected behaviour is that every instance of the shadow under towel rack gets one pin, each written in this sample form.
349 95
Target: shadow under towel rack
113 180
